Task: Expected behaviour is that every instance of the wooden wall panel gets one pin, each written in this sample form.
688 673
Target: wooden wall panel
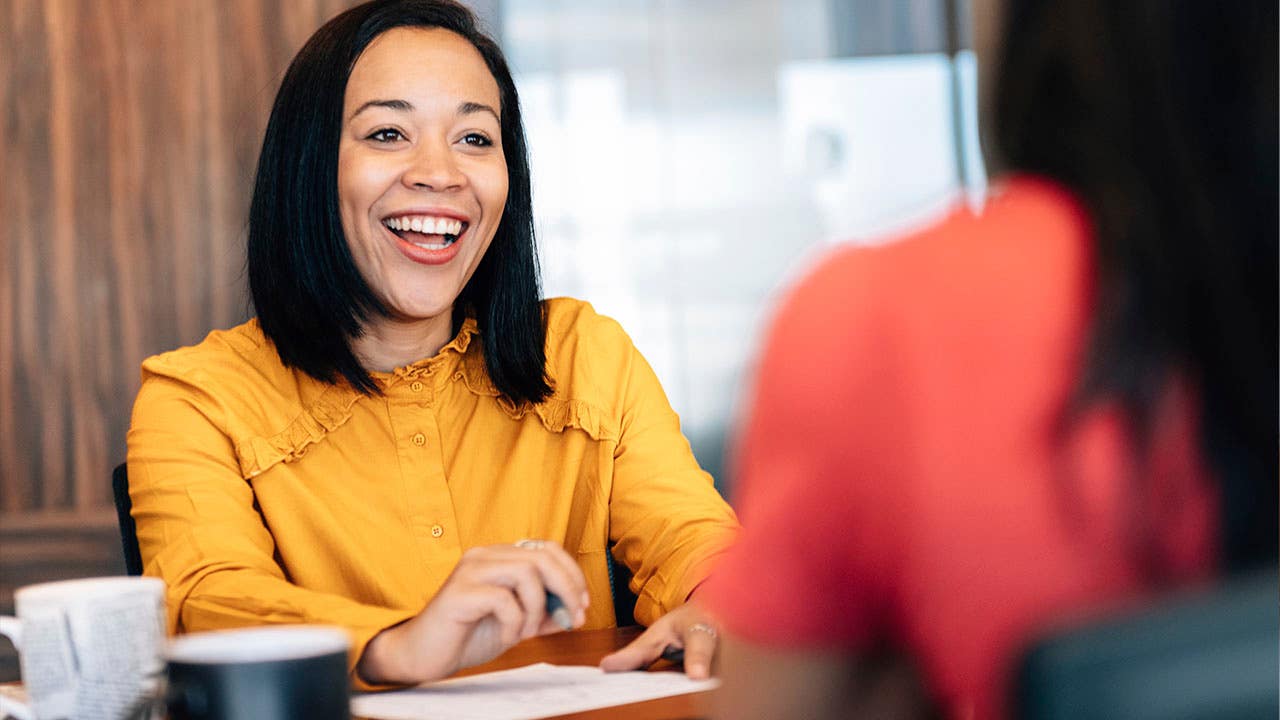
130 134
53 546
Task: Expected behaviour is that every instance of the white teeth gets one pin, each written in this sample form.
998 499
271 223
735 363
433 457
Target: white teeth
425 224
435 246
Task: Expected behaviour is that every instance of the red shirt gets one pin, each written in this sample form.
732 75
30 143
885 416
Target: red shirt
900 479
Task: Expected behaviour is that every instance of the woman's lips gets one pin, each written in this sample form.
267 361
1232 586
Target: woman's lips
427 248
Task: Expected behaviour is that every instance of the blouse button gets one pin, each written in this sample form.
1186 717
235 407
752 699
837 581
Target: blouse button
419 439
415 386
436 531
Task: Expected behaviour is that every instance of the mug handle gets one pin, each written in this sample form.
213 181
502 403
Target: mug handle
11 627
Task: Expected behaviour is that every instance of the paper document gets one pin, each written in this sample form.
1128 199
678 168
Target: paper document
526 693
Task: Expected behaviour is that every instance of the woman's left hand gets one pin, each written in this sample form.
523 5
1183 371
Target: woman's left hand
688 627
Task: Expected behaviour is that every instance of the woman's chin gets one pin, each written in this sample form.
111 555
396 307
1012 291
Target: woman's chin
420 312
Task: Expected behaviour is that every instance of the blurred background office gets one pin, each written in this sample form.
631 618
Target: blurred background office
688 158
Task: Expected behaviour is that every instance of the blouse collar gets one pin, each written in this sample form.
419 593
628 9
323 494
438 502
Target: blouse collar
445 359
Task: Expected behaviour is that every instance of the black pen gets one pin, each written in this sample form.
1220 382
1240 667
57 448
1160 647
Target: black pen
558 612
674 654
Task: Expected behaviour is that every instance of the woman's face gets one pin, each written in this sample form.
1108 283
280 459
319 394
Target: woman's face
422 179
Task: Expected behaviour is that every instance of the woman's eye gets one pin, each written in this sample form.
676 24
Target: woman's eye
386 135
476 139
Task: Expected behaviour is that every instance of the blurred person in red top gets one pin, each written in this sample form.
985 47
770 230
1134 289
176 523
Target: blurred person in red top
1047 409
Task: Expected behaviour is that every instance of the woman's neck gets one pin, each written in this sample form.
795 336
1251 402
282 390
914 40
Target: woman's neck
389 343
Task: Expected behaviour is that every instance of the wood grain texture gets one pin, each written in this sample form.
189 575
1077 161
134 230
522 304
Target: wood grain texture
131 130
53 546
130 136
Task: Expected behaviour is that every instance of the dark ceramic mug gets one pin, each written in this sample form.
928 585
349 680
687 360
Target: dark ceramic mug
293 672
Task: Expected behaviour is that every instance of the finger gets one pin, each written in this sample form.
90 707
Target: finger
528 572
520 577
560 574
641 652
504 608
562 558
529 590
571 568
549 626
699 649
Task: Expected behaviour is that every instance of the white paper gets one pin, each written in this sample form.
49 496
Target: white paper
525 693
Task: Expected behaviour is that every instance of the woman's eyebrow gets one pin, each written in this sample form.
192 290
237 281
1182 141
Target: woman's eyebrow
470 108
403 105
466 108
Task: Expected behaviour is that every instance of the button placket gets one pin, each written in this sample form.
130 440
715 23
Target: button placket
427 494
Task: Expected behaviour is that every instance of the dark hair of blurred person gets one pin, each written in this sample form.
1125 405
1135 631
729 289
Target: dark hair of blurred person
1162 120
1050 409
304 282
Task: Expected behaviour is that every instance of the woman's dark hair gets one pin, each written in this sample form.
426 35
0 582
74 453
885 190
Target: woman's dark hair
1162 118
310 298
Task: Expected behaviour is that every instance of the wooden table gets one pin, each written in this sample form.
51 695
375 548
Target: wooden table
581 647
587 647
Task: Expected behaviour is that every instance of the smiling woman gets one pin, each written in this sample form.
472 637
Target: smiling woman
377 447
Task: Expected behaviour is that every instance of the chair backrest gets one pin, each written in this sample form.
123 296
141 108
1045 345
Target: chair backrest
1209 656
128 531
624 601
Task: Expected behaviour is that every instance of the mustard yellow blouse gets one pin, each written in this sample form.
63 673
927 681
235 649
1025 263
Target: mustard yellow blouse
264 496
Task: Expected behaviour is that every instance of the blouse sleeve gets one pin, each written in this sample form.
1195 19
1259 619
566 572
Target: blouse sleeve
668 522
817 471
200 532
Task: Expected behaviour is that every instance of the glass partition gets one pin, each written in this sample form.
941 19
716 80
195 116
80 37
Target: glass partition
690 158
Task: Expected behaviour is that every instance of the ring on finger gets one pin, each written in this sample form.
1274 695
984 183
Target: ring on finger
530 544
703 628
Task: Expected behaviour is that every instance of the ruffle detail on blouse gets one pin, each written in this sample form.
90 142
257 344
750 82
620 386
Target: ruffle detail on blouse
556 413
559 414
332 409
474 374
329 412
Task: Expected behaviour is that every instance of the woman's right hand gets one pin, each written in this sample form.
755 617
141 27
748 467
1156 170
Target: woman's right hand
494 598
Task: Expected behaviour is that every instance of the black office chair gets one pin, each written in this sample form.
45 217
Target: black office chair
1213 656
128 530
624 601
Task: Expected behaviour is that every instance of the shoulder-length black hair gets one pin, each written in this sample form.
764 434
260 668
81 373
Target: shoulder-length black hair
310 298
1162 118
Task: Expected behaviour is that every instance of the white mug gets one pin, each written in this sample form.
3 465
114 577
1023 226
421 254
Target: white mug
90 648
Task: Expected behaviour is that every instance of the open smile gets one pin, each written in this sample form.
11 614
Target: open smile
430 232
427 238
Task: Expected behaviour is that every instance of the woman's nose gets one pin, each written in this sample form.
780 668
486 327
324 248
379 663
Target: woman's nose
434 168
